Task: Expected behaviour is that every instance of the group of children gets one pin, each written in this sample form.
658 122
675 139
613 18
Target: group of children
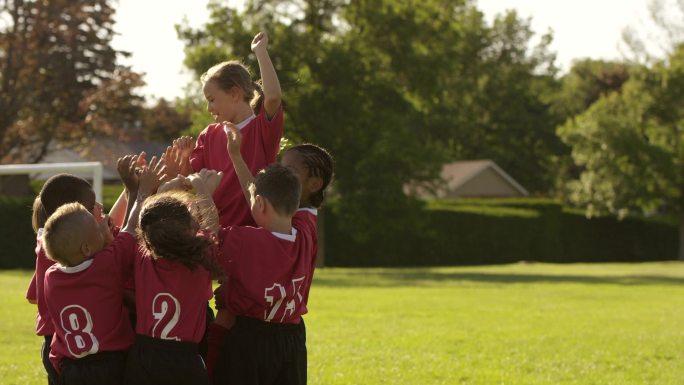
123 298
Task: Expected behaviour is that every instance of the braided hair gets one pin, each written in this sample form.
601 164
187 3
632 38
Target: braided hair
320 164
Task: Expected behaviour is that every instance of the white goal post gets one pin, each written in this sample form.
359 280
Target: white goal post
89 168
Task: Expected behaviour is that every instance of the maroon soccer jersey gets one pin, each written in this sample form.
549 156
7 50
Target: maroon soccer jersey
269 274
35 291
86 305
170 299
260 144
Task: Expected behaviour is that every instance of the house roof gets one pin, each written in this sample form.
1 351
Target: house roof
104 150
459 173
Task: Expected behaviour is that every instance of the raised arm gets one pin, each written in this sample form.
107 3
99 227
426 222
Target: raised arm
269 78
119 211
182 149
148 181
244 175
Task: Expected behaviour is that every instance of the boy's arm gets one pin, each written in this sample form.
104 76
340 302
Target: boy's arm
149 180
126 167
118 211
244 175
269 78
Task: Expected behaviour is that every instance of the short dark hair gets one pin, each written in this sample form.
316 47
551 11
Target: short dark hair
280 186
66 188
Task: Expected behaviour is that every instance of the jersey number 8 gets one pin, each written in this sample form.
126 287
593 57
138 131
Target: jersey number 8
78 326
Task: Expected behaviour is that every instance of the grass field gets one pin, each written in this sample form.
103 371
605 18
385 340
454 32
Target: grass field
514 324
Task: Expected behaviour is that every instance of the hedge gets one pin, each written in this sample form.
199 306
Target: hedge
17 239
469 232
473 232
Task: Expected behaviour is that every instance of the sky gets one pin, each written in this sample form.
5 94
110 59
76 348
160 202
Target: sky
581 28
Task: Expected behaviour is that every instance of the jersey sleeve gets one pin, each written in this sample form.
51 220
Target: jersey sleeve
31 294
229 248
197 156
305 221
272 131
122 252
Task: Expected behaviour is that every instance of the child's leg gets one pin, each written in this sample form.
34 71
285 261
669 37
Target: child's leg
52 374
218 330
293 371
204 343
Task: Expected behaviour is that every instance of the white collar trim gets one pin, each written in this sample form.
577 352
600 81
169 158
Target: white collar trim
75 269
242 124
288 237
312 210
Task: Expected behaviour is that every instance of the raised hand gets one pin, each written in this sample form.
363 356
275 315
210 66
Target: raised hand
126 166
234 139
172 161
260 42
185 145
150 178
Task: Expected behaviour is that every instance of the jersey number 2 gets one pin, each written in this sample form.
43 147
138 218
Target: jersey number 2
78 326
166 310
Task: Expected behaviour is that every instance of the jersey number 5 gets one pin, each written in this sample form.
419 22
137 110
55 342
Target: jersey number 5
166 310
78 326
276 294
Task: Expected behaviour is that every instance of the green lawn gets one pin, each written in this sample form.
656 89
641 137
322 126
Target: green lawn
514 324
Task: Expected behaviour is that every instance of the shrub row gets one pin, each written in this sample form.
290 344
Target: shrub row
17 239
455 233
505 231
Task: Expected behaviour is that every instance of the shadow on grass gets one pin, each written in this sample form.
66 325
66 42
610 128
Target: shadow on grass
389 278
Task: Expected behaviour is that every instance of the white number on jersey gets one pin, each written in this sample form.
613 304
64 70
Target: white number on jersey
276 294
78 325
166 310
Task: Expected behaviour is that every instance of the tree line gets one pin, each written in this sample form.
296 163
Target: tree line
394 89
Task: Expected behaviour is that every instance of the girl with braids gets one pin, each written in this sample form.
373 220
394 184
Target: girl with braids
313 167
232 96
173 271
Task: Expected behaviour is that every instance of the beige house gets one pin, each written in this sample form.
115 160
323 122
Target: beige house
470 179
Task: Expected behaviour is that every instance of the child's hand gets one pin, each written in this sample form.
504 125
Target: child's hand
205 181
126 168
172 162
260 42
234 139
184 145
106 227
150 178
178 183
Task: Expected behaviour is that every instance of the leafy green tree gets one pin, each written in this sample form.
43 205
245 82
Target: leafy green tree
630 144
394 89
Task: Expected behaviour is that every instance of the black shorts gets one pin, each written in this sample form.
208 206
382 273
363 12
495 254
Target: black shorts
52 374
256 352
157 361
104 368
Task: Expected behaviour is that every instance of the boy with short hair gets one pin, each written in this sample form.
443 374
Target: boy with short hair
269 270
83 291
